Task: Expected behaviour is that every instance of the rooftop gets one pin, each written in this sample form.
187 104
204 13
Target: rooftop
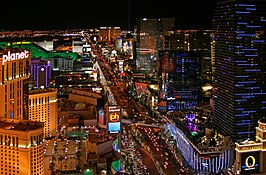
38 91
19 125
69 105
81 91
199 132
263 120
98 139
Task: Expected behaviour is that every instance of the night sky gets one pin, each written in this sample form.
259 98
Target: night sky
57 14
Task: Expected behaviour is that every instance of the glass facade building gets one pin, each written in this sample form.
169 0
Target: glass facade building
240 67
149 39
180 73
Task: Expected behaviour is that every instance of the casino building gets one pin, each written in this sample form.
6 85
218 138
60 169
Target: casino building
201 159
180 73
251 155
239 94
42 107
14 77
21 147
41 72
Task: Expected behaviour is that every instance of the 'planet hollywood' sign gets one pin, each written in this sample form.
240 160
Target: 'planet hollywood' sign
14 56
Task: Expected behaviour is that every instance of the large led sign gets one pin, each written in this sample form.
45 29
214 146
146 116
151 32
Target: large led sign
114 119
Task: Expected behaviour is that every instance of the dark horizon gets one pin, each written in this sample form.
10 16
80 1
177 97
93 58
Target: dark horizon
50 16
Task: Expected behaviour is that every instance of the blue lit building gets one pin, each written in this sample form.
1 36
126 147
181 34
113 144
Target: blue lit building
240 67
201 159
180 73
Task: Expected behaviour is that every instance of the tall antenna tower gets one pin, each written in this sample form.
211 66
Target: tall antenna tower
128 22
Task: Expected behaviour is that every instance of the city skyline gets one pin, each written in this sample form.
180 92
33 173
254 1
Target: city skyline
139 94
60 15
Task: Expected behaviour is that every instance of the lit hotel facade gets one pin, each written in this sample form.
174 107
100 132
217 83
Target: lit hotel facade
21 147
251 155
14 76
180 83
201 159
42 106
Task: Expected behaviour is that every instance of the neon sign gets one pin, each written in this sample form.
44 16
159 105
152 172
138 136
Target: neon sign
14 56
250 164
114 117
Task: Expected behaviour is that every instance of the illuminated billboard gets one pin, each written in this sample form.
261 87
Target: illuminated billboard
116 165
114 119
101 118
114 127
250 162
141 88
116 145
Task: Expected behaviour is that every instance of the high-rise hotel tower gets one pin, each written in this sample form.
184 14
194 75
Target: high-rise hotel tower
240 67
42 107
21 147
14 76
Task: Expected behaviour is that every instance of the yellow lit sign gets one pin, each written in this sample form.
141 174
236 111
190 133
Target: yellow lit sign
250 164
251 147
114 117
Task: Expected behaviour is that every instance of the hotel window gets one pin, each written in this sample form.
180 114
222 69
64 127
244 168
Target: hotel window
17 142
13 141
9 140
7 71
5 140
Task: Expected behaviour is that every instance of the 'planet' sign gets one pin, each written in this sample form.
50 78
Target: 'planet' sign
14 56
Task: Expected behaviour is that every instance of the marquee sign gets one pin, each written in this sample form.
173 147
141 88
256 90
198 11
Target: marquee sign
114 119
14 56
250 162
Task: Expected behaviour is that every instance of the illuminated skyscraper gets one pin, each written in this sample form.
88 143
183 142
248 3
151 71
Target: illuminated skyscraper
240 67
21 147
109 34
43 107
14 76
180 73
149 41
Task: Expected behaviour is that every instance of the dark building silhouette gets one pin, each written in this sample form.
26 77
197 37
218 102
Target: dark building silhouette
239 78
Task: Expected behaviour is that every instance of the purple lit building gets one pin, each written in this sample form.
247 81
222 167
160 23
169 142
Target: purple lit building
41 72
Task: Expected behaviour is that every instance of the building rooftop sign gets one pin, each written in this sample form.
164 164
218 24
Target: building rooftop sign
14 56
